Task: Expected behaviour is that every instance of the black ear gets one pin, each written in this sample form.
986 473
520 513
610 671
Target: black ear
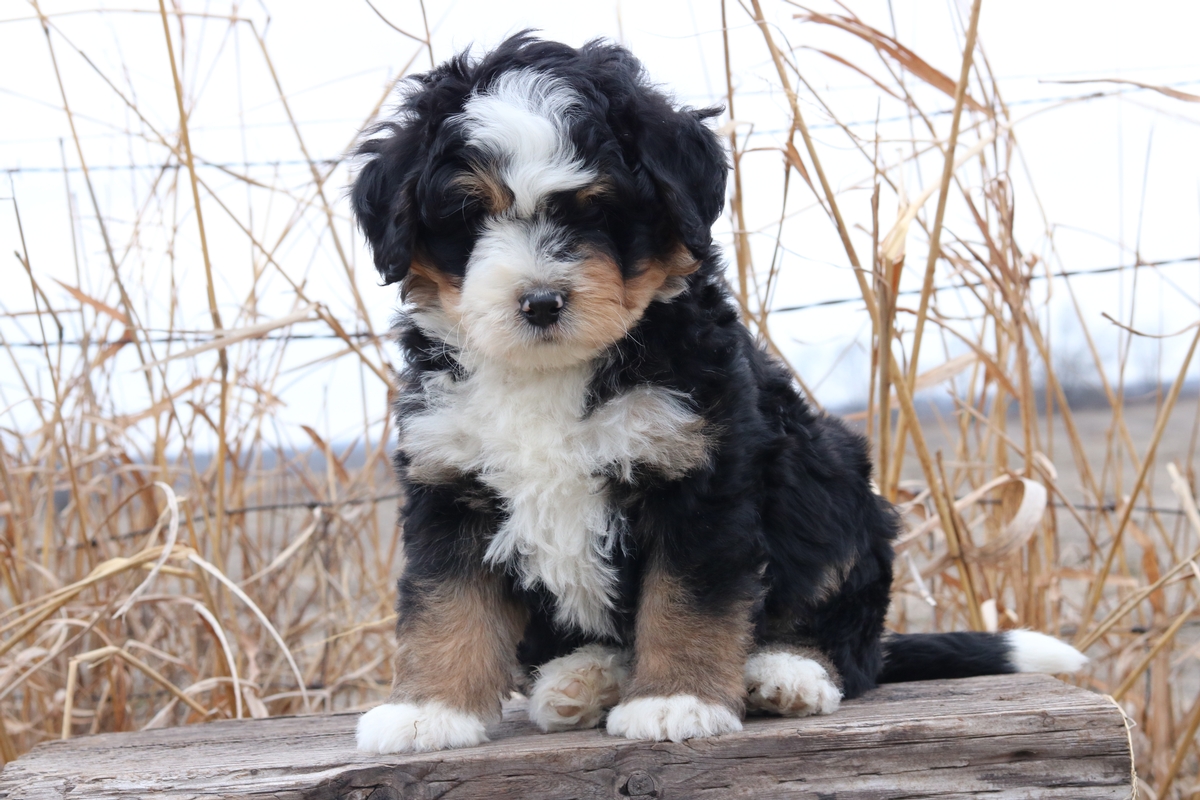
384 204
686 161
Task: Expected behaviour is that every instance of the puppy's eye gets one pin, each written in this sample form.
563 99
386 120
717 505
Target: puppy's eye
481 188
563 251
576 199
449 250
591 195
452 208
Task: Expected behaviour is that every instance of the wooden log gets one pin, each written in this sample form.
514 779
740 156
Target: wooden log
1014 736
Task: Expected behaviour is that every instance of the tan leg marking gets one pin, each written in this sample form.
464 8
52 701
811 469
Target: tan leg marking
458 646
681 650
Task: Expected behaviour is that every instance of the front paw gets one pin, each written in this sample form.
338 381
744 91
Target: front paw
678 717
417 728
789 684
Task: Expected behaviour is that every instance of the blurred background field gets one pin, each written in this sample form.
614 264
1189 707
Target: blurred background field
197 514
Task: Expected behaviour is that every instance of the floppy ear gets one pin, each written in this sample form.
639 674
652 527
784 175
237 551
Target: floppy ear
383 202
686 161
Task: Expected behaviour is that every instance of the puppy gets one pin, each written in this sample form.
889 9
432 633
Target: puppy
609 486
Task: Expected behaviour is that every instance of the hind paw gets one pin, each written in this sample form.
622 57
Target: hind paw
789 684
574 691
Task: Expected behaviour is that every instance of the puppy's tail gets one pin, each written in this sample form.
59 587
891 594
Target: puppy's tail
926 656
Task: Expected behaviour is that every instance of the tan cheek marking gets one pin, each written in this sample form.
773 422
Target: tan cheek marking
653 273
429 288
681 650
458 646
606 306
680 262
599 307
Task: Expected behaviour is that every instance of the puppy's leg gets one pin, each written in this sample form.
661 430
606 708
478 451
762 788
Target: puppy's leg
792 681
575 690
454 663
688 665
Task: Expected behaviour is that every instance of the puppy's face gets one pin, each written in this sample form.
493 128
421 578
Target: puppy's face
535 203
517 257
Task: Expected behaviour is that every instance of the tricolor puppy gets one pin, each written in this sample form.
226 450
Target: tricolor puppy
611 490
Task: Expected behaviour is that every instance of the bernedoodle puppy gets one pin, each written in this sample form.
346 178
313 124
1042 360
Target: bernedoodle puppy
612 492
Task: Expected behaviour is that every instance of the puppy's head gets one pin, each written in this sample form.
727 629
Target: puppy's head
534 202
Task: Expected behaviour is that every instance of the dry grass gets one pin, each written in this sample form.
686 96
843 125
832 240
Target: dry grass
143 585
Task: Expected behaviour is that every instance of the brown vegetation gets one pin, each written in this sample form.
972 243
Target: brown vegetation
144 582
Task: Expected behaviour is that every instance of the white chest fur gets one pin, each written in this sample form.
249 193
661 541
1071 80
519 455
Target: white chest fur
526 437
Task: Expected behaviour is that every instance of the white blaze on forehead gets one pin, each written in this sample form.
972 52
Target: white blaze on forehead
522 121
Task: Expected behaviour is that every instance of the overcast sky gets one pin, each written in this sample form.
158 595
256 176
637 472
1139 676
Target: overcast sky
1115 177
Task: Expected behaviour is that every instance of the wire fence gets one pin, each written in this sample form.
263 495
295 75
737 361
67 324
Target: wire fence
184 337
311 504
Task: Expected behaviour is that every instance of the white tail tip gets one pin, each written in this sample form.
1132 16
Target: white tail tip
1036 652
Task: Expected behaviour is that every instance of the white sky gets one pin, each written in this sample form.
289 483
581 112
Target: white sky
1113 175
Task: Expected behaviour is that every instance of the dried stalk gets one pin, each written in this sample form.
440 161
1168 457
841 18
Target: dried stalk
222 354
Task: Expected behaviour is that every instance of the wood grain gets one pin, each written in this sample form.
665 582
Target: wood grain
1015 736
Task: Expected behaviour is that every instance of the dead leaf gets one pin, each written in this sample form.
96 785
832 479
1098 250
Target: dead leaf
113 348
343 476
793 158
933 377
856 68
1022 505
103 308
228 337
886 44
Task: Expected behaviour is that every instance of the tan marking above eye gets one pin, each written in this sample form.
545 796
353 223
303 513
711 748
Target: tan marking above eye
593 191
488 187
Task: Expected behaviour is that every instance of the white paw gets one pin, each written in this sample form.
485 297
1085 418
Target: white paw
574 691
788 684
417 728
678 717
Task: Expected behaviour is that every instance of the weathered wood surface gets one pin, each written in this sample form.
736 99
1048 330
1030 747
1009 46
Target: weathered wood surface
1018 736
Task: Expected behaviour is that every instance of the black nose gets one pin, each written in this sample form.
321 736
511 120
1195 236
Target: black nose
541 308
